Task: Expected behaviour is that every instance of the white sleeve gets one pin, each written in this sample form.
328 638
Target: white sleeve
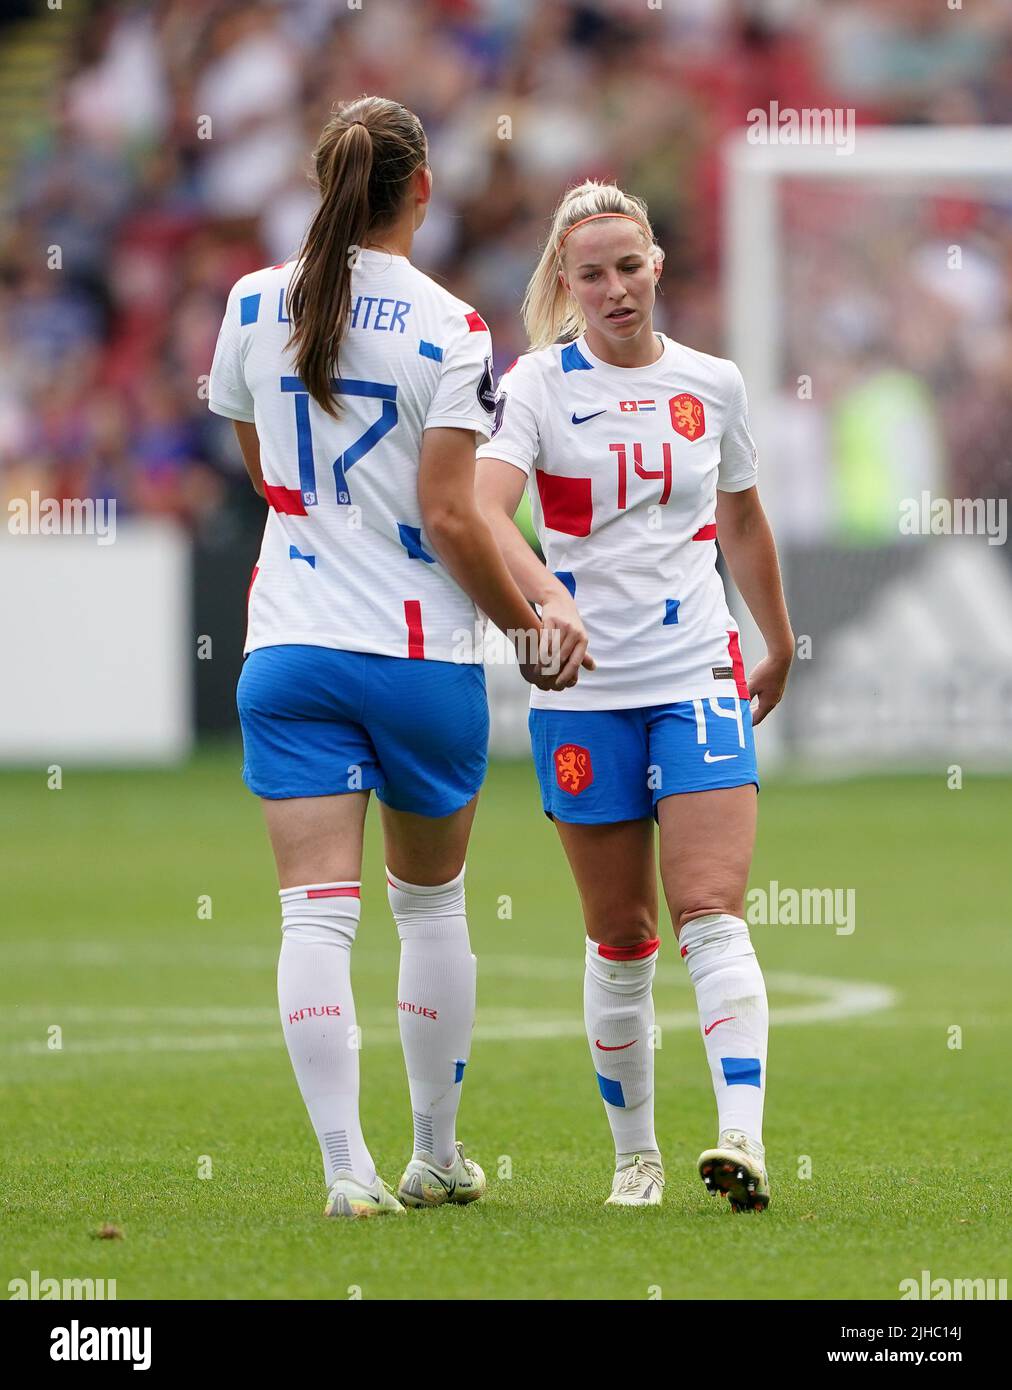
519 406
227 392
739 461
464 399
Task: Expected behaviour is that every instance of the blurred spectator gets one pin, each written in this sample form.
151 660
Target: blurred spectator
176 159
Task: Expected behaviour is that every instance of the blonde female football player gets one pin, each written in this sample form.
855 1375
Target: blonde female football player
636 453
357 386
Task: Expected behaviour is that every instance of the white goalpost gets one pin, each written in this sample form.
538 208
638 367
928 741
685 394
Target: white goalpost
961 162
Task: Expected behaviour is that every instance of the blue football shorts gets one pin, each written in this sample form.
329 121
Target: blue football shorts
321 722
600 766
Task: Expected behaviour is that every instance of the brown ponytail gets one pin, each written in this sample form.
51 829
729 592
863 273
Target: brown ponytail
366 154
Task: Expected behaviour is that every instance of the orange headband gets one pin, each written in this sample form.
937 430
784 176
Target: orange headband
593 218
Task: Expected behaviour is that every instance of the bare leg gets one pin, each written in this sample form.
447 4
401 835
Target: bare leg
706 851
317 839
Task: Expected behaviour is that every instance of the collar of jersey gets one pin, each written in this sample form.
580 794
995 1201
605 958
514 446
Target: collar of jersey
368 257
596 362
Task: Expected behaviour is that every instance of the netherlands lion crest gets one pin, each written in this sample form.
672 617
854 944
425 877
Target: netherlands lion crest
573 770
687 416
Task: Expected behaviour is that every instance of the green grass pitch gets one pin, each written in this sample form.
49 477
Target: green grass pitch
172 1062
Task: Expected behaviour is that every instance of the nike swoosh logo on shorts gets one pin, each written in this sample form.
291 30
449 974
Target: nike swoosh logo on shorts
581 419
709 757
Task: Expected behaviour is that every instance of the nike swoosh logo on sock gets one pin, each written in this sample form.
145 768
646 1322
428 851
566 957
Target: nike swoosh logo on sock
708 1031
621 1047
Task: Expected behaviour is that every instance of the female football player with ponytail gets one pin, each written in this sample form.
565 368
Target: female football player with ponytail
357 386
636 453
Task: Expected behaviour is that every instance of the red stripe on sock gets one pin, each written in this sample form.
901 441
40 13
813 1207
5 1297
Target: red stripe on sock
645 948
333 892
685 950
416 633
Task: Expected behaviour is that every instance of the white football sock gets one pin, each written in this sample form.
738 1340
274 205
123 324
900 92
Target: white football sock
435 1005
618 1009
318 924
733 1016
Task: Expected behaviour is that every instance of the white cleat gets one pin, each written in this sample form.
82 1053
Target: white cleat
349 1197
736 1169
427 1183
640 1184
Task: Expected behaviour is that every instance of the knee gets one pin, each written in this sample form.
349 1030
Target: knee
632 927
703 905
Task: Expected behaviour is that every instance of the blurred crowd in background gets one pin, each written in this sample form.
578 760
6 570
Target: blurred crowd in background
174 158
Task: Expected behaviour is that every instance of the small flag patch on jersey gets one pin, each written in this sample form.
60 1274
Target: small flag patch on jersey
671 611
475 322
611 1091
629 406
294 553
411 539
249 309
741 1071
430 350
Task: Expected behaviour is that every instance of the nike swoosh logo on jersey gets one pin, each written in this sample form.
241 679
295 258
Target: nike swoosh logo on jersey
581 419
709 757
620 1047
708 1031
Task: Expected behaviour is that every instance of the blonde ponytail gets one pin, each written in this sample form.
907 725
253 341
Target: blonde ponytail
549 310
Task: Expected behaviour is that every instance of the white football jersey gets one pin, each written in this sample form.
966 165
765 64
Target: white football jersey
345 561
623 466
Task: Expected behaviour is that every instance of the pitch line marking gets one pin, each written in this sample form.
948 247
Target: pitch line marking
833 1001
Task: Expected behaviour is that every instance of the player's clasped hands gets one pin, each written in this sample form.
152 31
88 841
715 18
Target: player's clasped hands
562 647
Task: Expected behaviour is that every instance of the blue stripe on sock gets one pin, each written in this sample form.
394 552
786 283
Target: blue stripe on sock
741 1071
611 1091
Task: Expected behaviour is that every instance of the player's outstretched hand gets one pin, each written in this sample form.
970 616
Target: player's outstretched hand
766 685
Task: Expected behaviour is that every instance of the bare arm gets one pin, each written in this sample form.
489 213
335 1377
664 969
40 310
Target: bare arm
499 489
462 537
748 547
249 443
